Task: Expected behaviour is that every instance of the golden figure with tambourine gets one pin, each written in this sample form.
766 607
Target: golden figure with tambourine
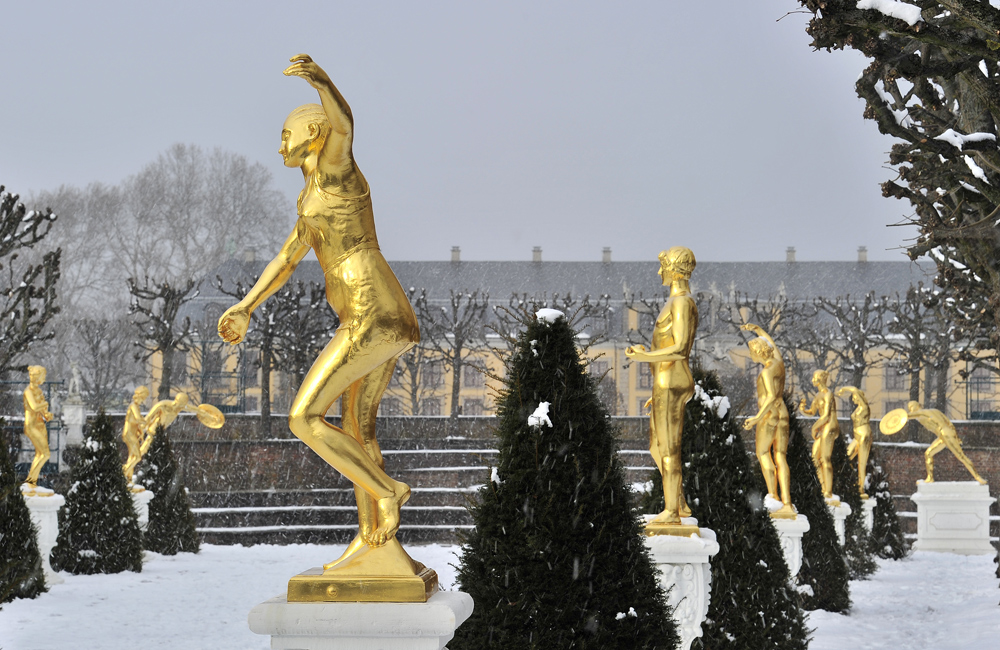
937 422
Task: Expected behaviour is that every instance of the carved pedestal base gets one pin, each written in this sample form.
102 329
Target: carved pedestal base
362 626
683 563
790 532
869 507
840 512
140 501
953 517
45 515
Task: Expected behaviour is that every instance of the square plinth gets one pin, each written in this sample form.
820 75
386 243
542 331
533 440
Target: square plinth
953 517
315 586
361 626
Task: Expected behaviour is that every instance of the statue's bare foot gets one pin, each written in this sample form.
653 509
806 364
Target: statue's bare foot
981 480
667 517
388 515
355 544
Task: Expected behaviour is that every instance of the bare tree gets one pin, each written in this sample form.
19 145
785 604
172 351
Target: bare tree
155 307
857 329
28 300
920 338
456 332
418 374
108 370
933 84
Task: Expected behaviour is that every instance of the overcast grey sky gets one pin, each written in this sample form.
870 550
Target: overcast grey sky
565 125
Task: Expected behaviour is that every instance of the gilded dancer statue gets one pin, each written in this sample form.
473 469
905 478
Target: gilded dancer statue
824 431
162 414
36 414
673 385
771 420
861 446
336 222
133 433
937 422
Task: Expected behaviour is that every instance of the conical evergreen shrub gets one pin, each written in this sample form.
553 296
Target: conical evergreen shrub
556 559
887 539
21 573
857 544
753 605
171 527
823 579
99 529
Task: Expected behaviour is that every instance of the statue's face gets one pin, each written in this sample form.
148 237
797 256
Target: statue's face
296 139
38 376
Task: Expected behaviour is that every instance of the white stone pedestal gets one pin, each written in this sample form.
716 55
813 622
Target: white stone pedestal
684 565
869 507
362 626
74 416
840 513
953 517
140 501
45 515
790 532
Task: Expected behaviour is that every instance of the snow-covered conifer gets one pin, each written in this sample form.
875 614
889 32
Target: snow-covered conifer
823 579
556 559
171 526
21 574
887 538
98 529
857 545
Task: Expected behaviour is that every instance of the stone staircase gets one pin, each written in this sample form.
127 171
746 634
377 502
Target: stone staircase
443 474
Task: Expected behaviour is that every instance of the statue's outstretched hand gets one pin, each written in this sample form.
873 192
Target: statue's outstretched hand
303 66
233 324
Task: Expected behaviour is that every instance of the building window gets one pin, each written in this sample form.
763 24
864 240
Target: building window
472 407
390 406
430 406
641 406
430 375
598 368
251 404
472 378
895 377
645 377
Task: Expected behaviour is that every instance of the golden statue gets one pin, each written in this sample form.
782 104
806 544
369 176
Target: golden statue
133 434
336 222
824 431
165 412
36 414
771 421
673 386
861 446
937 422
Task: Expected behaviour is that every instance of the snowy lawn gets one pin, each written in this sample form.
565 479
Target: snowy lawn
936 601
180 602
930 600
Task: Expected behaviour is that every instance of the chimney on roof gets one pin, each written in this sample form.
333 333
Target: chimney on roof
790 254
536 254
456 254
249 255
606 255
862 253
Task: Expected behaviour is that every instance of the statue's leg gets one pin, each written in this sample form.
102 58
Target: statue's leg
42 454
827 464
667 432
781 460
764 442
864 449
932 451
348 358
956 448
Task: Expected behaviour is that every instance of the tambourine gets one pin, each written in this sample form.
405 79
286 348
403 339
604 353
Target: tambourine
893 422
210 416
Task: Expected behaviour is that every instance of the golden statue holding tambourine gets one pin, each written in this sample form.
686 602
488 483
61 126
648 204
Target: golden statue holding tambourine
139 431
937 422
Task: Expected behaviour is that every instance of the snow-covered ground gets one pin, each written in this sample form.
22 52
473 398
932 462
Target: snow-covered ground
930 600
936 601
